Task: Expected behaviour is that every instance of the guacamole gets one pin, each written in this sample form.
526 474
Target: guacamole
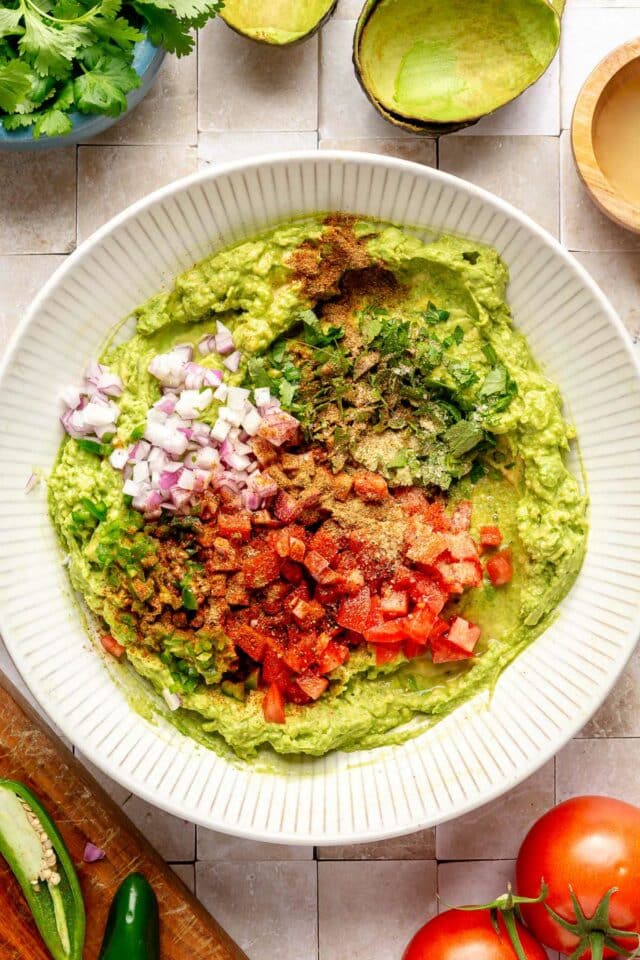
320 497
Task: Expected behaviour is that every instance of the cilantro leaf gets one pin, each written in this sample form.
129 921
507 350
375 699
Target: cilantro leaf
104 88
314 335
15 84
433 315
51 48
463 437
10 22
490 353
52 123
495 382
165 29
191 9
18 121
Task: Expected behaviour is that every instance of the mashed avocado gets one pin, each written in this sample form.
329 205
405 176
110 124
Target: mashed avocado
500 442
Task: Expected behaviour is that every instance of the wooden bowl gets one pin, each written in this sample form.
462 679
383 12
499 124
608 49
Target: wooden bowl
613 70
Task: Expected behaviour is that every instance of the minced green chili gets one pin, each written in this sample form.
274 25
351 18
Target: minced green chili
37 855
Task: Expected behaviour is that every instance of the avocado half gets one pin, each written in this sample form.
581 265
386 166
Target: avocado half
277 22
436 66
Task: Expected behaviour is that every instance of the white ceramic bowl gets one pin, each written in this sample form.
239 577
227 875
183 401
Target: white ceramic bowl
483 748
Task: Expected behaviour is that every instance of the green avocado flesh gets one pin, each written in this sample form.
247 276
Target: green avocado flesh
518 481
278 22
435 62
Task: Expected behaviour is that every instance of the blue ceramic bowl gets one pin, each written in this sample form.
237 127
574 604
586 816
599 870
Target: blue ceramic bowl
147 60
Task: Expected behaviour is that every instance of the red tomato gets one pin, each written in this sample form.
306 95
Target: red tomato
464 635
469 935
370 486
490 536
500 568
273 705
590 844
112 646
354 611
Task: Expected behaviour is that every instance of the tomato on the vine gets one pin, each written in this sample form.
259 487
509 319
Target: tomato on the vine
587 852
470 935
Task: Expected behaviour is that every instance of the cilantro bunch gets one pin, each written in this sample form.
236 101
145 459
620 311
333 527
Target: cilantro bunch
60 56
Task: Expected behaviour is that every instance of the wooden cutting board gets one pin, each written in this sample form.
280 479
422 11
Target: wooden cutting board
83 811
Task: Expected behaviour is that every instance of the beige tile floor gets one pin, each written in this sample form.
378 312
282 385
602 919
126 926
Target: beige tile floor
232 100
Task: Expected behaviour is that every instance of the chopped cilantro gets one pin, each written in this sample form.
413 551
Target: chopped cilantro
433 315
94 446
463 437
490 353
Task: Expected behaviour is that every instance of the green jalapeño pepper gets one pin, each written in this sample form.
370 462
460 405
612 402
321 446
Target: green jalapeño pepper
133 927
36 853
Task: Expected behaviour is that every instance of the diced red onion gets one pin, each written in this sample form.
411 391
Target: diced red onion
223 339
166 404
141 471
180 497
237 397
193 402
172 700
250 499
207 344
139 451
119 458
31 483
221 393
220 429
97 414
132 488
238 461
92 853
232 362
251 421
70 396
262 396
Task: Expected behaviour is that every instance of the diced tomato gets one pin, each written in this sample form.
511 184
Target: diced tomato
461 517
237 594
500 567
370 487
314 687
301 592
425 544
387 653
328 593
462 546
439 629
375 617
273 705
394 603
280 542
319 568
341 485
248 639
325 544
286 507
292 571
262 518
457 576
297 548
436 516
490 536
307 611
333 656
112 646
412 500
390 632
235 524
444 652
351 581
274 595
260 568
264 452
463 635
354 611
411 649
280 428
419 625
425 591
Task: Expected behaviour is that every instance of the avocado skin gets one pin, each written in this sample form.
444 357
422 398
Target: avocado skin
289 43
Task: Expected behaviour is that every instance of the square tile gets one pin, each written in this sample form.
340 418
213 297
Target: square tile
371 910
522 170
251 86
536 111
415 846
172 837
169 112
583 226
345 112
598 767
187 873
463 883
38 201
269 909
496 830
589 33
220 846
232 145
111 178
618 275
419 149
21 278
